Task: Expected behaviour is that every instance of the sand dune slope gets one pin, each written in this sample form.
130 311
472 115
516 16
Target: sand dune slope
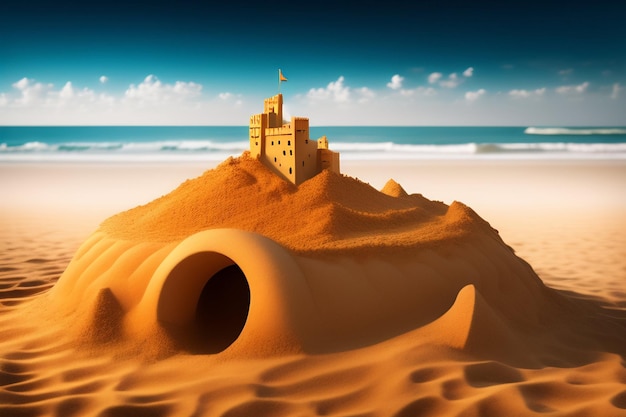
239 294
241 263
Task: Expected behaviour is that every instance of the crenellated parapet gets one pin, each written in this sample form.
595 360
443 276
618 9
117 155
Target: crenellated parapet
286 147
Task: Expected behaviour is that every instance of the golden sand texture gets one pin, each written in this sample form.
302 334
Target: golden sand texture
44 373
328 212
422 311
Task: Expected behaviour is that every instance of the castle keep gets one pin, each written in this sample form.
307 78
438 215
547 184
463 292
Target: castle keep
286 148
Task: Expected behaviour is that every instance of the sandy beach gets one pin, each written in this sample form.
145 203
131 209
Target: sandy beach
565 218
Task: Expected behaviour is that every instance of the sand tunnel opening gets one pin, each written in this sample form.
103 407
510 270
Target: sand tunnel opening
204 302
222 308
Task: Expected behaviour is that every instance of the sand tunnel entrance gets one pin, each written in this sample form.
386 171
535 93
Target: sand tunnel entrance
204 302
222 308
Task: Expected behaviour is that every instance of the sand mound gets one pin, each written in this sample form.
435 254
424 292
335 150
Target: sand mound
328 212
452 326
394 189
239 262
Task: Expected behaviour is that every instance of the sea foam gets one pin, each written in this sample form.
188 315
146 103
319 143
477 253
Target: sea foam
573 131
192 150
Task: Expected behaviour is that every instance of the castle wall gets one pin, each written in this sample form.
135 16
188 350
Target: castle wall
279 151
290 152
287 148
329 160
305 161
258 124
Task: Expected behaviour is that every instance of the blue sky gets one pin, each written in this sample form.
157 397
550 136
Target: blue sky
379 63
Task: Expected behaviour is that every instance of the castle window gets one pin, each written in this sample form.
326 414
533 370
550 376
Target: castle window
274 159
272 143
288 143
290 170
290 152
306 141
302 163
284 153
256 143
279 142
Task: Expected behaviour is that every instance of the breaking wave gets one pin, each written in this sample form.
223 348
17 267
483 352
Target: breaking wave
189 150
118 151
573 131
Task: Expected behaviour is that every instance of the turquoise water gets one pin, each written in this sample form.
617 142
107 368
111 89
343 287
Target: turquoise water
171 143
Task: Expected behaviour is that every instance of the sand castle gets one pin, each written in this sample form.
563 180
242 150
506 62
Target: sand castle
286 147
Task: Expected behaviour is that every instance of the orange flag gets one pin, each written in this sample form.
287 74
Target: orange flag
281 77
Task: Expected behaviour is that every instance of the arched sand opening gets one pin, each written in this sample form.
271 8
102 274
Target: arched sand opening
222 309
206 299
229 290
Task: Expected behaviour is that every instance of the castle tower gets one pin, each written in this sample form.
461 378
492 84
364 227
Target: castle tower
286 148
273 107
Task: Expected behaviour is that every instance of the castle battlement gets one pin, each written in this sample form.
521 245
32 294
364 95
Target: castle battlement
286 148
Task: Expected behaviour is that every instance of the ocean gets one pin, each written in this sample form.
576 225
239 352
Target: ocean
215 143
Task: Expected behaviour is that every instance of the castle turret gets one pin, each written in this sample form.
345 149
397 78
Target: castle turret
286 148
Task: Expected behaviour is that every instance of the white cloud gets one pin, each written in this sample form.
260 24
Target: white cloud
31 91
451 82
39 103
147 103
106 99
423 91
566 89
396 82
230 97
582 87
453 79
22 84
615 91
472 96
527 93
335 90
520 93
71 96
365 94
434 77
67 91
153 90
151 101
567 71
103 79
